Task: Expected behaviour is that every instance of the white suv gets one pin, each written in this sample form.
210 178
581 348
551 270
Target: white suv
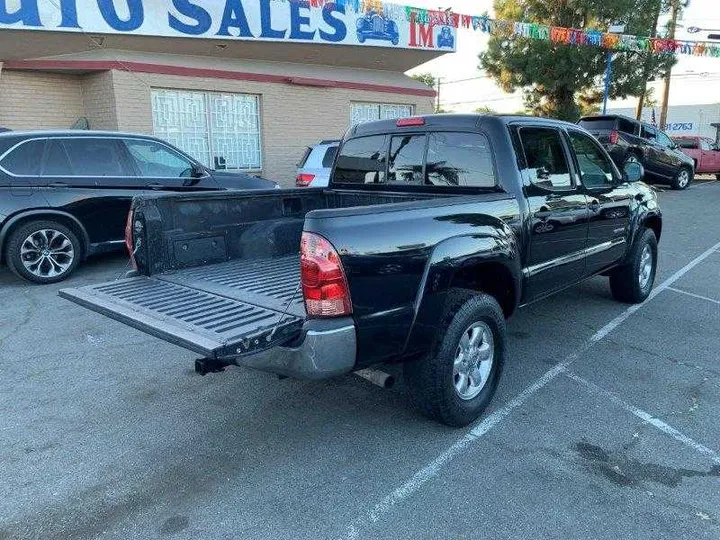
314 167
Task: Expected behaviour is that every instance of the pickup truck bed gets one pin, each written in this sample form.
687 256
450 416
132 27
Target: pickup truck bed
222 273
211 310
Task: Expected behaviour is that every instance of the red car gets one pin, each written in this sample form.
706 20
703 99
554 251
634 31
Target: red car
703 151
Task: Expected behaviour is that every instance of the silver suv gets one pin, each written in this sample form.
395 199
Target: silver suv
314 167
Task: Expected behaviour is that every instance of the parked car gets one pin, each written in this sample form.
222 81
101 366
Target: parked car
65 195
424 243
626 139
314 167
374 26
703 151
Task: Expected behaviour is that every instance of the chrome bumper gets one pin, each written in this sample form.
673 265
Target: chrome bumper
327 348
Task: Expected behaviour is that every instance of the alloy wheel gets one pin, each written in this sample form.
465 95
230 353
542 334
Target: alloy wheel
474 357
47 253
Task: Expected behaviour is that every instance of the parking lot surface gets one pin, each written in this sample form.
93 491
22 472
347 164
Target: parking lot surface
606 425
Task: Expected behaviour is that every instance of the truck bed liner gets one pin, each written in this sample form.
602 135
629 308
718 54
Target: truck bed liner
220 310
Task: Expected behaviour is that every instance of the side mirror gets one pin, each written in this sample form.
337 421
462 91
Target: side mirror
633 172
197 171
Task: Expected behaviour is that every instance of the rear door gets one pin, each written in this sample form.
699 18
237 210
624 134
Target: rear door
670 157
558 212
92 175
609 202
159 167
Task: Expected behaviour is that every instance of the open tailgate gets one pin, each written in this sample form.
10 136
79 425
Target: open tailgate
198 314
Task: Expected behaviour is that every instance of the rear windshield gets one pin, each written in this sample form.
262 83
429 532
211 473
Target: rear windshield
595 124
305 156
686 143
454 159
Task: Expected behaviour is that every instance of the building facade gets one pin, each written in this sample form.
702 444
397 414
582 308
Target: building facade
237 84
682 119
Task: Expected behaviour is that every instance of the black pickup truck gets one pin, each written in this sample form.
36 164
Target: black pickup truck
433 230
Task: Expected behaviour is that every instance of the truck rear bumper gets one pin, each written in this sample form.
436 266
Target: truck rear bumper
326 348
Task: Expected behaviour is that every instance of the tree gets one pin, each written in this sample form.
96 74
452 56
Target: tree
426 78
563 81
485 110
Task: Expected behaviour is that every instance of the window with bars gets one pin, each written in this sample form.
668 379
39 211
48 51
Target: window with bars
368 112
220 130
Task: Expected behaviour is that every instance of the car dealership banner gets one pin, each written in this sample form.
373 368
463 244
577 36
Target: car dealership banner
344 22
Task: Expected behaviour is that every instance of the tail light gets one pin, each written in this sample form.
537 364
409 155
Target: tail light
303 180
128 237
324 286
613 137
410 121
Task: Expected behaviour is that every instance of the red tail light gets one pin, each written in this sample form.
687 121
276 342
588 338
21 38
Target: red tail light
128 237
410 121
324 286
303 180
613 137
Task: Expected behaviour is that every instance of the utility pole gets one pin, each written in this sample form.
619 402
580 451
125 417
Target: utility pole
675 9
648 63
437 105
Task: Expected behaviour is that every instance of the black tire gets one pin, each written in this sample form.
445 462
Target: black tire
717 176
681 181
626 283
56 266
431 379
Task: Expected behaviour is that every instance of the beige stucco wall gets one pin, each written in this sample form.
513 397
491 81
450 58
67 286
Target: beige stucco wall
292 117
99 100
34 100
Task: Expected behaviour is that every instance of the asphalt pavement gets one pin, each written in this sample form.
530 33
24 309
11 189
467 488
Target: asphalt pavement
606 425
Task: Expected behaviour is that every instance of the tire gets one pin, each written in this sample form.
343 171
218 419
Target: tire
682 179
433 380
717 176
55 247
627 283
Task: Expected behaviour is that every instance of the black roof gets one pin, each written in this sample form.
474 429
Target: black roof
609 117
68 132
452 120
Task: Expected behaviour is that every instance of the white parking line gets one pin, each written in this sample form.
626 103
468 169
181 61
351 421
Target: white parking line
431 470
701 297
647 417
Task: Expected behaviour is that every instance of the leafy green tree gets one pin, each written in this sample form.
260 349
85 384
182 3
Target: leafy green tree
565 81
426 78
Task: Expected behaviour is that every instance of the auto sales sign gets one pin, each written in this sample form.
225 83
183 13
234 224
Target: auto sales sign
343 22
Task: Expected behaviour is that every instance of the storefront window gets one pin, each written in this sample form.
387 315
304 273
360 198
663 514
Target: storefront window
220 130
369 112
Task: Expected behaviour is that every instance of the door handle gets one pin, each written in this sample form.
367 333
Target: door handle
57 184
594 205
155 185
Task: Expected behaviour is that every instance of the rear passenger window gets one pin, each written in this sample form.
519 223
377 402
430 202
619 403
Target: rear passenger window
362 161
95 157
56 161
406 159
329 157
459 159
547 165
627 126
25 159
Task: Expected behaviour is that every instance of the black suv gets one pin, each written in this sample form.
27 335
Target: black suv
66 195
628 140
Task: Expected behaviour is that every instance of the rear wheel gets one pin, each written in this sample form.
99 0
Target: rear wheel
43 251
682 178
456 381
632 282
